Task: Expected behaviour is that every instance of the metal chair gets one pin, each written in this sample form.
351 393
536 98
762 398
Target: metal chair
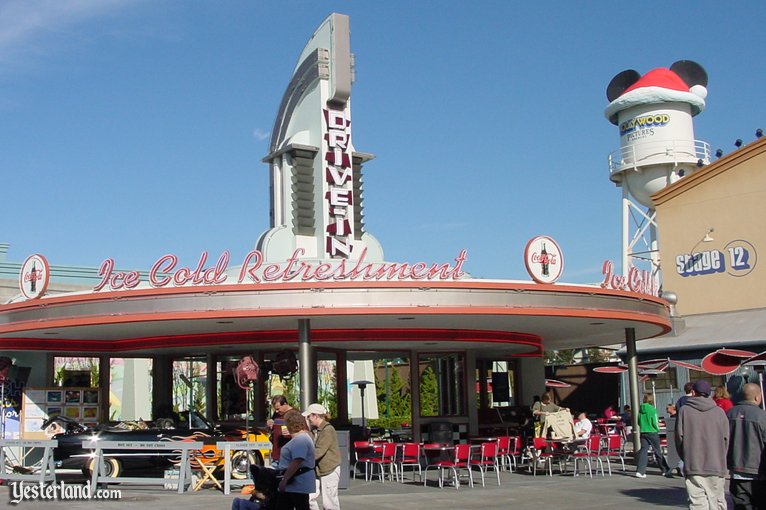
539 456
460 461
362 450
488 459
410 457
592 451
614 449
387 459
504 451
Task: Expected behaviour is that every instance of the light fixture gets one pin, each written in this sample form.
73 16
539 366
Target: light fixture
738 142
718 153
708 238
362 384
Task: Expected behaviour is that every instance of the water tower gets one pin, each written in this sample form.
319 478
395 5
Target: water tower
657 147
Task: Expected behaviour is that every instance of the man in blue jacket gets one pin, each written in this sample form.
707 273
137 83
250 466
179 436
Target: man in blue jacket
702 441
747 442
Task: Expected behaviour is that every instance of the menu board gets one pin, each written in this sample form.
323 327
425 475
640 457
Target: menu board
39 404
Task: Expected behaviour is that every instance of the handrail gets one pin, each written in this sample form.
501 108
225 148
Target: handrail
678 151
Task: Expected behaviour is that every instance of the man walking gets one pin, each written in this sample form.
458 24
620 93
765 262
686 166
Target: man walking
327 458
747 464
702 441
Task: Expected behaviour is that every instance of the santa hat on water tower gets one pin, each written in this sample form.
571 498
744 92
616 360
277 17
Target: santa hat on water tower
685 81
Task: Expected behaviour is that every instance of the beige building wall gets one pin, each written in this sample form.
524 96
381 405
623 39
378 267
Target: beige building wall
728 196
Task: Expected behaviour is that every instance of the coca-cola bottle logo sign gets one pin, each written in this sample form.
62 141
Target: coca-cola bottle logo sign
34 276
543 259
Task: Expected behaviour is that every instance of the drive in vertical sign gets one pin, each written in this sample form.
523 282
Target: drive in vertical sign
339 178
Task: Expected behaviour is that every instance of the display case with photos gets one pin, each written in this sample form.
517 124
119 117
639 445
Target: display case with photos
39 404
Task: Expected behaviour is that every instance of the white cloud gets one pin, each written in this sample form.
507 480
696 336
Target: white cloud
28 28
260 134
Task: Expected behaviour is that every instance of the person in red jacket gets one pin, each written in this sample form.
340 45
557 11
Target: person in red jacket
722 398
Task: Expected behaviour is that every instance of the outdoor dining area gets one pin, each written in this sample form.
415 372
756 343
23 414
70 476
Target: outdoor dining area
454 464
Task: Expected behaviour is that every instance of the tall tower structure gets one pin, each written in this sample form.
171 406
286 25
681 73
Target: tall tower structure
657 147
317 204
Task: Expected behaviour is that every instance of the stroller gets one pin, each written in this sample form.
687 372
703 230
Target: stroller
266 485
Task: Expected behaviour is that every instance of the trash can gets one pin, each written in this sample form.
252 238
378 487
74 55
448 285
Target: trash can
440 432
345 459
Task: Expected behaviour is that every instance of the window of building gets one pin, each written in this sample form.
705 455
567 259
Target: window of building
442 379
130 389
664 381
714 380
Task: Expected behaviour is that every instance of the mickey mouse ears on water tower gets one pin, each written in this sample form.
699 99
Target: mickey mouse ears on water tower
685 81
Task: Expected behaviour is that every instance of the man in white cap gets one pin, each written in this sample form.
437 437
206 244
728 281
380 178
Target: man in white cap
702 441
327 458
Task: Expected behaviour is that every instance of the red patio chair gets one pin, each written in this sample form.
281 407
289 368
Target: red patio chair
488 459
504 451
592 452
387 459
614 449
459 462
410 457
516 452
362 454
540 457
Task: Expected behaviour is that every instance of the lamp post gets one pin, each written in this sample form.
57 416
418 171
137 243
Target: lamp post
362 384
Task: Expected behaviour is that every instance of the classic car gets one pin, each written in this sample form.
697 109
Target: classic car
70 453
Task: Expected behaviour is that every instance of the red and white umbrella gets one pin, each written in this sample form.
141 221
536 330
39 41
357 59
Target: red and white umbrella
553 383
611 369
736 353
716 363
684 364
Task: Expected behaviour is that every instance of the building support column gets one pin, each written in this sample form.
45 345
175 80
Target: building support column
481 367
415 395
211 395
341 386
307 363
104 377
162 384
469 387
630 344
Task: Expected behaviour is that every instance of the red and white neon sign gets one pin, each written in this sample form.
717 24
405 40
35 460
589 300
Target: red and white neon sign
339 232
166 272
638 280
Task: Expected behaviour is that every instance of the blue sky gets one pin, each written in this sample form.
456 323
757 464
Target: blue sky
132 129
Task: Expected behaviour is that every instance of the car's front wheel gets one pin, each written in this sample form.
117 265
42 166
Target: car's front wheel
112 467
241 461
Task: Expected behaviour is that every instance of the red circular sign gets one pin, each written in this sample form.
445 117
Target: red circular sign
543 259
34 276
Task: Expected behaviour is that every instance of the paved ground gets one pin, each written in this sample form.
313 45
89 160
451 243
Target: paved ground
518 491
